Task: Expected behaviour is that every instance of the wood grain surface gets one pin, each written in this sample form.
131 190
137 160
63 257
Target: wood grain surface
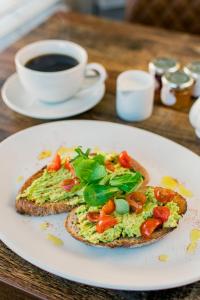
119 47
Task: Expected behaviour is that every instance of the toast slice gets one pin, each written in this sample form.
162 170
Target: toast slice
28 207
134 242
25 206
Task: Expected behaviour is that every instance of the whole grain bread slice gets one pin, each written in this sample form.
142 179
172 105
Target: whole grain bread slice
72 228
25 206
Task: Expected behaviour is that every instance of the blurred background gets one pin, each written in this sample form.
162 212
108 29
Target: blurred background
18 17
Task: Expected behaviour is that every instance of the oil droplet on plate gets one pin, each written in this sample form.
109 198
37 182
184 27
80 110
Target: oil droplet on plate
20 178
44 154
169 182
62 150
55 240
44 225
184 191
163 258
194 238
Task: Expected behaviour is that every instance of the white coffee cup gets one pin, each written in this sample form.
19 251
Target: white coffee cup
55 86
135 95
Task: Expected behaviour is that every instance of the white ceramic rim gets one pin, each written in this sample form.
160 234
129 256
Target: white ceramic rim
100 89
22 51
137 74
20 251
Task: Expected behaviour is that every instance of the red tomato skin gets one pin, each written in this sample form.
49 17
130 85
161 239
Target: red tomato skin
109 207
93 216
68 184
137 196
70 168
56 164
109 166
105 223
136 206
162 213
163 195
149 226
125 160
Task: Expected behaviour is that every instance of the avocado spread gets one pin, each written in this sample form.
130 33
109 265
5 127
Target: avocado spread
48 188
128 224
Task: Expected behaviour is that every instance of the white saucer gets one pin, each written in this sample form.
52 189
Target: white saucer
16 98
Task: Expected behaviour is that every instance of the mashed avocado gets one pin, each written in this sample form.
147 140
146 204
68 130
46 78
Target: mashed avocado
48 188
128 224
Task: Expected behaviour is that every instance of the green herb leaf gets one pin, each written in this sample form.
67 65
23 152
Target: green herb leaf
87 170
121 206
99 158
97 195
127 182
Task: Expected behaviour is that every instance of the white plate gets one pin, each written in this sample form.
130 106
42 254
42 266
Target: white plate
17 99
130 269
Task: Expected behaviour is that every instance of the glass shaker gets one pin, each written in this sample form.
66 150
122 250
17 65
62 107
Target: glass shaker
193 70
158 67
177 90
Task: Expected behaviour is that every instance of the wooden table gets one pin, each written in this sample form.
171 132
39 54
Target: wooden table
118 47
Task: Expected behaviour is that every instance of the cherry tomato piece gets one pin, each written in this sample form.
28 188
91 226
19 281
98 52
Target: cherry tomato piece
182 204
136 206
69 167
125 160
137 196
109 166
93 216
163 195
149 226
109 207
105 223
68 184
162 213
56 164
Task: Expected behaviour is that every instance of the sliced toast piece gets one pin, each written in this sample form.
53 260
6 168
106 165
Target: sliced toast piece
25 206
72 228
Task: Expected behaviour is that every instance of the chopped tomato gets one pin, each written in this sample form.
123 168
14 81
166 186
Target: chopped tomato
149 226
162 213
137 196
109 207
93 216
68 184
56 164
69 167
125 160
136 201
136 206
105 223
109 166
163 195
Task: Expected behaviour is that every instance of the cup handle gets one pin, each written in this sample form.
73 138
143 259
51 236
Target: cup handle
94 69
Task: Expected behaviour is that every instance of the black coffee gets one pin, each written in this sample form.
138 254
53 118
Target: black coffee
52 63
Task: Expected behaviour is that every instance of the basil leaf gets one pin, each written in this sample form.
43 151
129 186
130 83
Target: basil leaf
88 170
127 182
97 195
99 158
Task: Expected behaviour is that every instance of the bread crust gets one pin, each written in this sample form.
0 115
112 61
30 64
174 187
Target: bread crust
71 227
25 206
31 208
